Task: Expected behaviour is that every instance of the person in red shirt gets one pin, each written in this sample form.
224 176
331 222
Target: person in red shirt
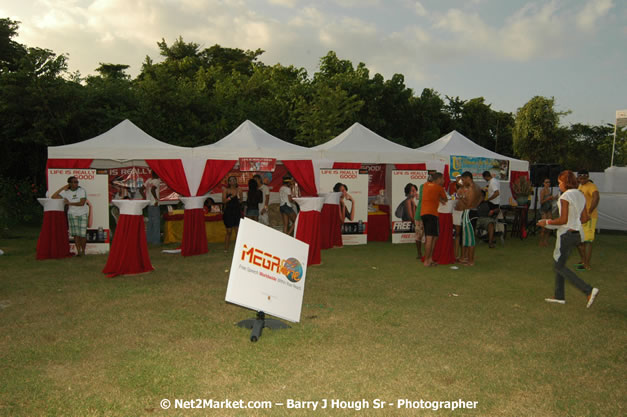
432 195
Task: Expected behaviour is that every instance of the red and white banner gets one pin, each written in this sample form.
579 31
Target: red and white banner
376 179
355 215
257 164
94 182
128 182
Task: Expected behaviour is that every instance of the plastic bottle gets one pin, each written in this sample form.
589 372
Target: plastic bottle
101 234
360 227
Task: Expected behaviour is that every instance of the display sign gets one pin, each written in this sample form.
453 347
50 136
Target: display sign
621 118
499 168
355 202
376 179
257 164
128 182
95 183
268 271
403 209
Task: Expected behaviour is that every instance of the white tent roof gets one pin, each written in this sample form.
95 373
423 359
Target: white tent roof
457 144
249 141
360 144
124 142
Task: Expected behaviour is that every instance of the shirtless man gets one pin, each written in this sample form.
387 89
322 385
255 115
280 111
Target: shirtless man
469 199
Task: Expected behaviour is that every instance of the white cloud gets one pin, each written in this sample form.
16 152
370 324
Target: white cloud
349 4
416 7
531 32
285 3
592 12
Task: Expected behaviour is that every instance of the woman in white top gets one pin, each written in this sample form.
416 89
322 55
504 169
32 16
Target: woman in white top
286 193
572 204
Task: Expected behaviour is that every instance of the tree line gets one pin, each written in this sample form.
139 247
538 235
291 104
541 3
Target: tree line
196 96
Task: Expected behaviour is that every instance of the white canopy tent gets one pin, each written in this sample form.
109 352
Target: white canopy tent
360 144
248 141
455 143
124 144
251 141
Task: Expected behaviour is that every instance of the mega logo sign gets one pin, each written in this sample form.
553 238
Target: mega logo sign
291 268
268 271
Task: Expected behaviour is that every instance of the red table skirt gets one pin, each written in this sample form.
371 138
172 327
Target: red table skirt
378 227
444 251
194 236
330 227
213 217
53 242
129 250
308 231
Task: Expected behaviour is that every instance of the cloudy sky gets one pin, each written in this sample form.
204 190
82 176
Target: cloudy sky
504 50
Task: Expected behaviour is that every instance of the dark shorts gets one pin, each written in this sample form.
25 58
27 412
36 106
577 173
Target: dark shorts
286 209
252 212
431 224
493 206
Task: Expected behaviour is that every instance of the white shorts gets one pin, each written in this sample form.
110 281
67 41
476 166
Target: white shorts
457 218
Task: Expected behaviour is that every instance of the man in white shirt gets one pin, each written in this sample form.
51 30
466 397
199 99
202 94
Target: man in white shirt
153 228
75 198
494 201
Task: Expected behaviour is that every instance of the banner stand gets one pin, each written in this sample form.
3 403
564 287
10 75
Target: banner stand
259 323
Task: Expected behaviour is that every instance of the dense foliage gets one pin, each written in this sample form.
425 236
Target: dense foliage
195 96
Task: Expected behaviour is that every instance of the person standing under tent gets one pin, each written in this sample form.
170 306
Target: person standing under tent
232 211
570 233
153 228
432 195
286 195
456 190
494 202
469 200
253 199
546 208
75 198
263 205
419 226
591 192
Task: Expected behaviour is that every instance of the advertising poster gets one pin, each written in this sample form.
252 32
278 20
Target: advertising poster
355 218
257 164
376 179
268 271
95 183
403 227
499 168
128 182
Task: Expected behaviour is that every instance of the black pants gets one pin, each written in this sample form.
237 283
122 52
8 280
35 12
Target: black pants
568 241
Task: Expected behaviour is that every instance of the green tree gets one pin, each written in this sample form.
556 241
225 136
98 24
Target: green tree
538 136
10 51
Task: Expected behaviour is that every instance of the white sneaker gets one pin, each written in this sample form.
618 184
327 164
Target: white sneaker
592 296
555 300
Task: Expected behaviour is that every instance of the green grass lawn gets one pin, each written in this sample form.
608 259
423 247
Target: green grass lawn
375 325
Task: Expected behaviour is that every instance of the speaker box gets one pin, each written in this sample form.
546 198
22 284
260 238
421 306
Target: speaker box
554 172
539 172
